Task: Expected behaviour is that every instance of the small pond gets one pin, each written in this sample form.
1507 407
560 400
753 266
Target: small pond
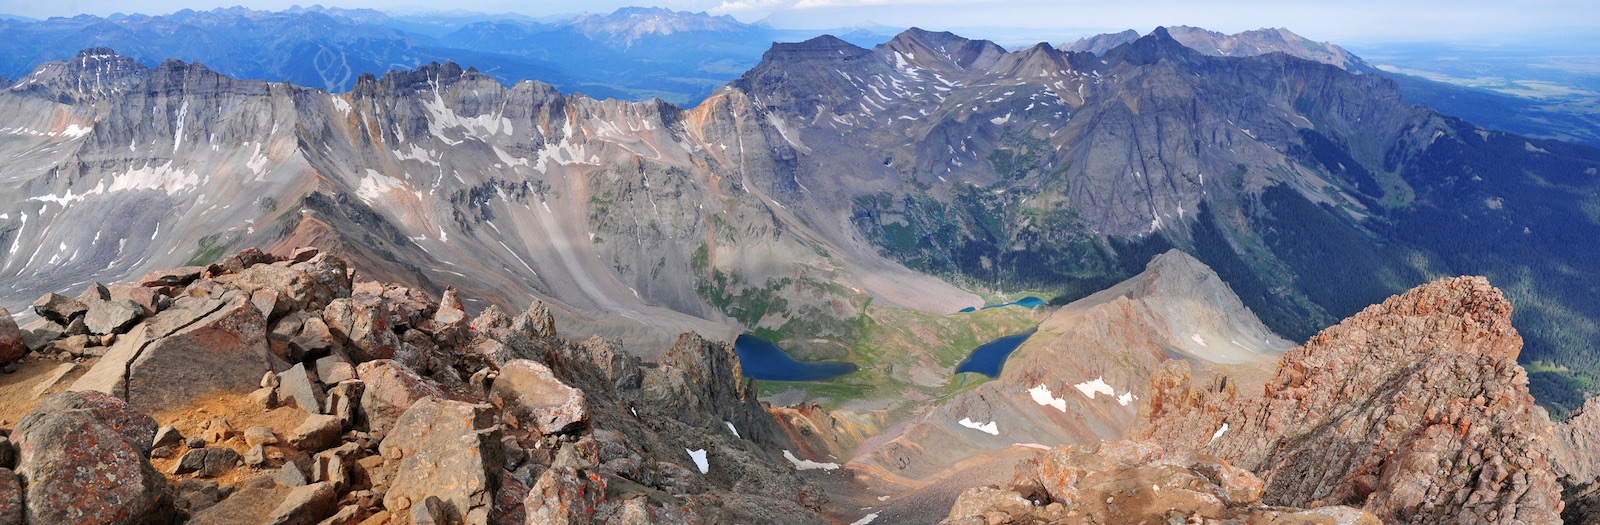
989 358
760 359
1025 302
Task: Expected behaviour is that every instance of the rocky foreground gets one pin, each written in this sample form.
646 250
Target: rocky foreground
274 390
279 389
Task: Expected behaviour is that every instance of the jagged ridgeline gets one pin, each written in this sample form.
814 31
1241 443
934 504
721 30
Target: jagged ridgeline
788 200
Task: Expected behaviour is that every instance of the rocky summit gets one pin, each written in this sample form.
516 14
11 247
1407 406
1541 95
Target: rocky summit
276 389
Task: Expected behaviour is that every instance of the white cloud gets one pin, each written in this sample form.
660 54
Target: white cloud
744 6
816 4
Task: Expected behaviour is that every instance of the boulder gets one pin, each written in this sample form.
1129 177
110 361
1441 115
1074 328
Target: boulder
295 388
147 298
94 292
344 402
317 432
564 496
40 334
533 393
225 351
449 450
303 254
12 344
309 285
167 436
10 498
58 308
209 462
252 504
364 323
259 435
306 505
256 456
331 370
112 317
196 495
271 303
313 338
244 259
216 430
390 388
175 277
83 456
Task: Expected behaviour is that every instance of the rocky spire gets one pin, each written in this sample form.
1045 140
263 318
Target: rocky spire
1414 408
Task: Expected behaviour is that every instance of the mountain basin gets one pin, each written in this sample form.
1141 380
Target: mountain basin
988 358
1025 302
760 359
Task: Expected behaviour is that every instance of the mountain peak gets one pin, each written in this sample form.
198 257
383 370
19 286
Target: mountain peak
1397 388
627 25
93 73
964 53
1150 49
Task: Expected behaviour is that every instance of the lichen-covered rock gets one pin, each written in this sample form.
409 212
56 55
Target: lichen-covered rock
564 496
309 285
449 450
10 498
532 391
364 322
389 388
83 458
1414 408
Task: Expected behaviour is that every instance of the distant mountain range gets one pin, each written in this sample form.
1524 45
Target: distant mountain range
822 186
630 54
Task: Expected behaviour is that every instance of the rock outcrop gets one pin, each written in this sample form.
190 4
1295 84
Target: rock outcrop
1133 482
1414 409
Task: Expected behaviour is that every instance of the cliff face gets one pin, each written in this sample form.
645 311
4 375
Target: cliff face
1414 409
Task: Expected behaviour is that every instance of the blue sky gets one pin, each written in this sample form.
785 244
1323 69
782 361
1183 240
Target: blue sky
1348 21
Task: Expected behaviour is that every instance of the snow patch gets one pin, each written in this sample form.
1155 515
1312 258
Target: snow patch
990 428
1125 398
1098 385
700 461
735 431
1041 395
76 131
374 185
1219 433
806 464
1198 339
866 519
